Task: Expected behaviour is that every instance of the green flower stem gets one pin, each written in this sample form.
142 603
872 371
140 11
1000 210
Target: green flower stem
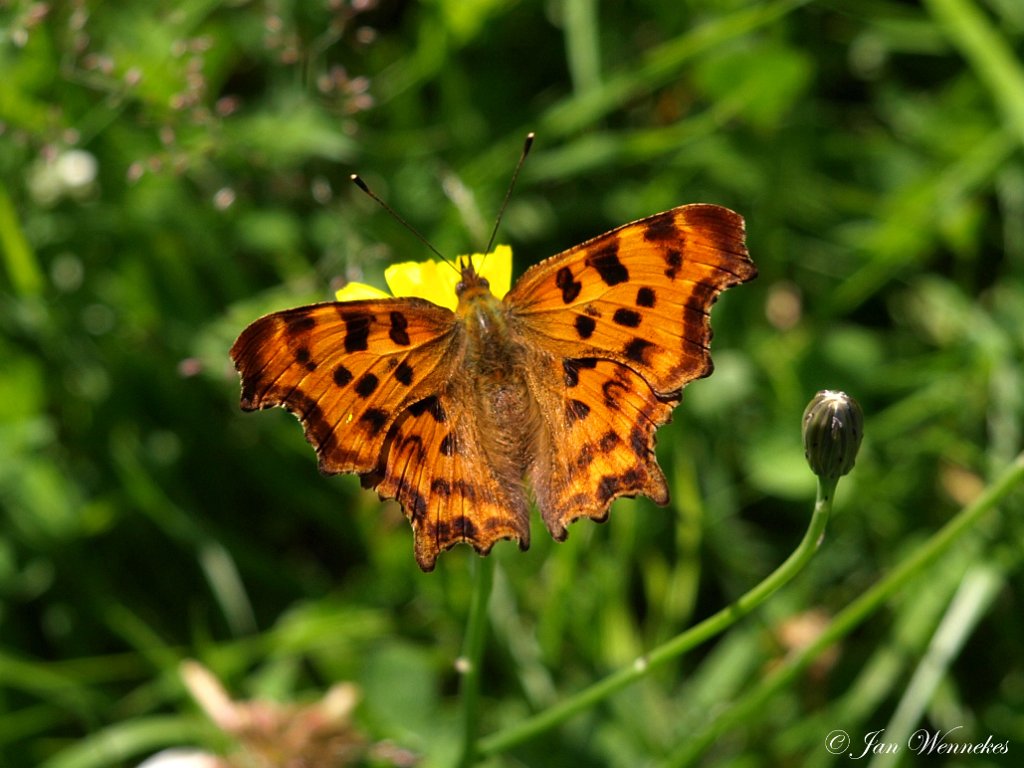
472 658
854 614
713 625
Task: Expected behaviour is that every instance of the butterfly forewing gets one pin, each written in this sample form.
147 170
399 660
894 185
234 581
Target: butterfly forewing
346 370
639 295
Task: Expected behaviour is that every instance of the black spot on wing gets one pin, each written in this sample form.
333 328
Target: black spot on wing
299 324
645 297
429 405
638 442
584 326
466 490
404 373
607 487
612 389
606 262
610 486
636 349
342 376
570 288
585 457
357 330
367 385
465 528
576 410
627 318
572 373
608 441
302 357
398 331
661 229
674 260
373 419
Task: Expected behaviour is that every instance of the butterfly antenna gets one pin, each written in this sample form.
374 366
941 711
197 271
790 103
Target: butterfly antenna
358 181
512 184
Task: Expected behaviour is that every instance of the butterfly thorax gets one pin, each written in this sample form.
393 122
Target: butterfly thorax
490 352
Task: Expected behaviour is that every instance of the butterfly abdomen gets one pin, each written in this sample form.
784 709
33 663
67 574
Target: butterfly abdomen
509 417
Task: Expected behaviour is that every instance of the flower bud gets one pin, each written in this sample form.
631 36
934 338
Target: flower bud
833 427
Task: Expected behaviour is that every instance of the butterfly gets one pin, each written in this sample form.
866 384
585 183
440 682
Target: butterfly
554 390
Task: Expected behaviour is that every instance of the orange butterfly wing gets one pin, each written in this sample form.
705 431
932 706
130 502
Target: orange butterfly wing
379 389
346 370
615 328
435 464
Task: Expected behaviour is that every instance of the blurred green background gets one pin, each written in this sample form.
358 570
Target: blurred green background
170 171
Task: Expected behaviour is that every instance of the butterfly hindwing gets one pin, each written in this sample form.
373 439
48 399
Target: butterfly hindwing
435 464
601 417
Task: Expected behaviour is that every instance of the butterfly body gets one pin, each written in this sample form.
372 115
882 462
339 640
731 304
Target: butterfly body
556 388
493 364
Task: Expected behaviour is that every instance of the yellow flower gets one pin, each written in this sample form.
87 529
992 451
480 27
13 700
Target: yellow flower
435 281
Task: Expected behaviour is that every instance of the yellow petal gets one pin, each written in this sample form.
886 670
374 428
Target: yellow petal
431 280
357 291
496 266
435 281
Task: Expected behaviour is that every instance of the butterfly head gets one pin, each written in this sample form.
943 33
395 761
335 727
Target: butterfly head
471 283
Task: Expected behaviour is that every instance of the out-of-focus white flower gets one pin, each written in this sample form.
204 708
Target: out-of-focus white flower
224 198
71 173
182 758
76 169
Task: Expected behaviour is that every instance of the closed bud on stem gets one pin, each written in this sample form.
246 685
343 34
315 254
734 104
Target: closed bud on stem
833 427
